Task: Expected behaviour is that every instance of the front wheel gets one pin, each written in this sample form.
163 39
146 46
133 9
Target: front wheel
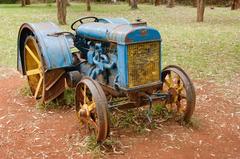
182 97
91 107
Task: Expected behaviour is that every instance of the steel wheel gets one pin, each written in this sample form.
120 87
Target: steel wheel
91 107
182 93
44 85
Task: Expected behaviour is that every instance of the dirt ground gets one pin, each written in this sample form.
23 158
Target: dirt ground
27 132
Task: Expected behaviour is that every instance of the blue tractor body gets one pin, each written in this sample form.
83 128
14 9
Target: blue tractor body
93 40
121 34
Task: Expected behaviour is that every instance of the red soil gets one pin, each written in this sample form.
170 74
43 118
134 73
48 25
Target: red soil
27 132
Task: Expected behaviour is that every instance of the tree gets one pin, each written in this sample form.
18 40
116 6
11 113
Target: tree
235 4
171 3
129 2
88 5
27 2
68 3
157 2
200 10
194 3
62 11
23 3
134 4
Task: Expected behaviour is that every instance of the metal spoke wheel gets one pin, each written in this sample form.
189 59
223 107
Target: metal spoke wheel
91 107
181 90
44 85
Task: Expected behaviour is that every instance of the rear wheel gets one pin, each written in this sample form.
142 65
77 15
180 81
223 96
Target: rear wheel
91 107
44 85
181 90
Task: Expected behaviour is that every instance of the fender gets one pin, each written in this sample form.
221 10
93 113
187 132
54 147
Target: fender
55 50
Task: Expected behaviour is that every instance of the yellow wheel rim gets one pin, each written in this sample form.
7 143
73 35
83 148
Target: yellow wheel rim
87 111
182 97
91 107
173 84
33 66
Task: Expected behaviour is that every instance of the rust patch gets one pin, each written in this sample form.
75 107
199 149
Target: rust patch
143 32
127 40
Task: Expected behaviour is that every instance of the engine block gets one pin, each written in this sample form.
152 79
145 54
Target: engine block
125 55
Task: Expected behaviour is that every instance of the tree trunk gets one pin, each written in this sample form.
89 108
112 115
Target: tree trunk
194 3
49 2
61 11
235 4
200 10
171 3
27 2
164 1
129 2
157 2
88 5
134 4
23 3
68 3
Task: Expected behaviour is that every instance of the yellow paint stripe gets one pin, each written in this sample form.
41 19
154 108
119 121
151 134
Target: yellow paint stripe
91 106
176 98
178 78
33 72
167 83
179 88
170 79
38 86
33 55
84 94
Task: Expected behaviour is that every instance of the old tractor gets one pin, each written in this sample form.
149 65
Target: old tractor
109 61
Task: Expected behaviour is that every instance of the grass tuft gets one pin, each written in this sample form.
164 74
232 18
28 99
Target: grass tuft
194 123
69 97
136 119
89 145
25 90
61 102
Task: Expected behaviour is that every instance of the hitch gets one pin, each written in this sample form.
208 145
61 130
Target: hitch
150 98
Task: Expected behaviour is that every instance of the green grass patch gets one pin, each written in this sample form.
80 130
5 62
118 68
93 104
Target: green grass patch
136 119
62 102
69 97
89 145
55 104
25 90
208 50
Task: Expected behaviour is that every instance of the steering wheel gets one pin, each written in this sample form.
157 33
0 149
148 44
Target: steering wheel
95 19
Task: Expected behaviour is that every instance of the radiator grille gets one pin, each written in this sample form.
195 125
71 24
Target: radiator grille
143 63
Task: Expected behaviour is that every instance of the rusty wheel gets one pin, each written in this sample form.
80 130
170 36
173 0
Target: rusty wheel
91 107
44 85
181 90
